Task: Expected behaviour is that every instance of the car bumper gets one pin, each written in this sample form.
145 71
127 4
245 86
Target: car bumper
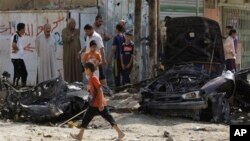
180 105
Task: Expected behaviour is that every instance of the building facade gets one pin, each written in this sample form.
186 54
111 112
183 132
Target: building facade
237 14
6 5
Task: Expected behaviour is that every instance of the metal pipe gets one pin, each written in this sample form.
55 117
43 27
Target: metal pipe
197 7
34 5
98 7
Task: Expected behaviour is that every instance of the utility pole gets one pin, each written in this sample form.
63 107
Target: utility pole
137 40
152 36
197 7
159 37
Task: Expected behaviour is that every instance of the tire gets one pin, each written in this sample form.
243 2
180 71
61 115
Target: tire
225 111
221 109
218 109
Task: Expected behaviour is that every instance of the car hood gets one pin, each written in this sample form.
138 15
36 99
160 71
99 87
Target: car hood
195 40
179 80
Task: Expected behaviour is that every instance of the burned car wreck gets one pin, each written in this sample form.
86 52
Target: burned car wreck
49 100
193 83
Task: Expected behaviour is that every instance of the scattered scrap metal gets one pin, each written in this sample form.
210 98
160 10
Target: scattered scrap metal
51 100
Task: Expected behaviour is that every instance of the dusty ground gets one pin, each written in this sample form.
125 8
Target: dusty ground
137 127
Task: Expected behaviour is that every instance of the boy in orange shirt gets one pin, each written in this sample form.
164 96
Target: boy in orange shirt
93 56
97 104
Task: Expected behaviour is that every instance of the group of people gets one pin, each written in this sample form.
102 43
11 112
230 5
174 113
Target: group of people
92 57
94 51
73 54
122 55
46 48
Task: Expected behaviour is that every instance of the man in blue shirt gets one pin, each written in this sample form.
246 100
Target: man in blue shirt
115 54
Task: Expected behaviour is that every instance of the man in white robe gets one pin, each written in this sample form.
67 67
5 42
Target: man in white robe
46 51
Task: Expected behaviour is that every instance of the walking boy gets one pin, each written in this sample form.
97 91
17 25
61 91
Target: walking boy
127 58
97 104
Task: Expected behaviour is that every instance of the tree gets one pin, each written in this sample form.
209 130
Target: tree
137 40
159 37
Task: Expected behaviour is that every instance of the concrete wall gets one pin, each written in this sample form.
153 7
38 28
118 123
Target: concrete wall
45 4
34 21
212 14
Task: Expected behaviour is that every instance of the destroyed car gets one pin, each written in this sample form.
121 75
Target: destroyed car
242 90
49 100
193 83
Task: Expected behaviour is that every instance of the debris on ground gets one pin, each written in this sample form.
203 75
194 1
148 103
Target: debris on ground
197 128
167 135
47 135
124 102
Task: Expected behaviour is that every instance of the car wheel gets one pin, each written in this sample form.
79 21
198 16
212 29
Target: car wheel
225 113
221 109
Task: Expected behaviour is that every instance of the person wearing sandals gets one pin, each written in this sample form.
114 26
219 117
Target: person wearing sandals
97 104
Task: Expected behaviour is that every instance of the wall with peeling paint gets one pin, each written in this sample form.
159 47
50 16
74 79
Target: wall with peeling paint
34 21
112 12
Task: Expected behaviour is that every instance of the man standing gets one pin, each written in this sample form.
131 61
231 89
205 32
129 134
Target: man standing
46 51
229 51
123 24
71 48
92 35
228 28
118 40
17 55
98 27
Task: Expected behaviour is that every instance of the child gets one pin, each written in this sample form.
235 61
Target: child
93 56
127 58
97 104
17 55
